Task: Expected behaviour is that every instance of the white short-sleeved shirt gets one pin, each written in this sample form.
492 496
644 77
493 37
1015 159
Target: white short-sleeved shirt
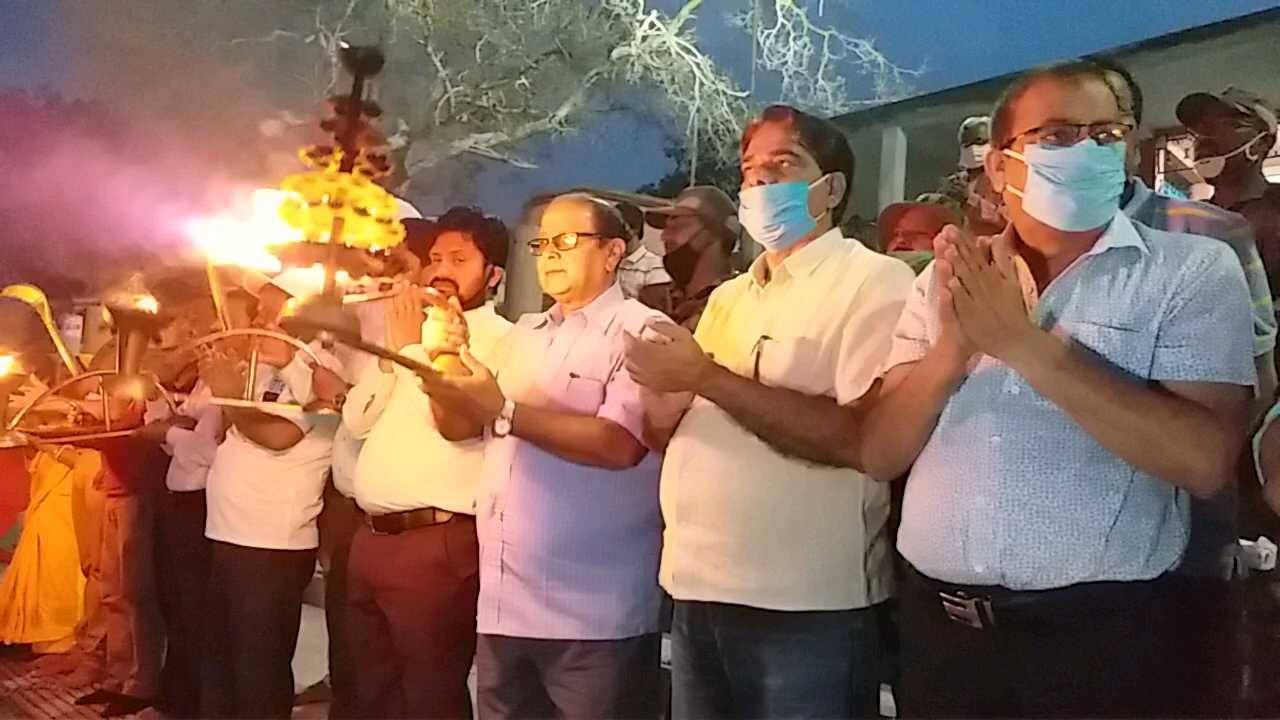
270 499
744 523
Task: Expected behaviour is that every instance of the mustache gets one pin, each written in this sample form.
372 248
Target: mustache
446 285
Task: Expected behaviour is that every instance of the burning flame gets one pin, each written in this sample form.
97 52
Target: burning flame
243 238
147 304
7 363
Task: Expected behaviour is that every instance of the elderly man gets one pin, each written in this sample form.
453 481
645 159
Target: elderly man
414 569
699 233
567 514
1058 393
776 564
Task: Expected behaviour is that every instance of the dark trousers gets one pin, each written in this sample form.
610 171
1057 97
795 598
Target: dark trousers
182 554
413 625
338 522
528 679
731 661
255 606
1102 650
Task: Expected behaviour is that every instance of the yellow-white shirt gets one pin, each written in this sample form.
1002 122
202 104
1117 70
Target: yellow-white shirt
745 524
405 464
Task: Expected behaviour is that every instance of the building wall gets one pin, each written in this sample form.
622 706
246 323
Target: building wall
1247 56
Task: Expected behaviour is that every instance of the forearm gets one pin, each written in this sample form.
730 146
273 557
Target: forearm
582 439
899 421
268 431
454 425
1171 437
809 427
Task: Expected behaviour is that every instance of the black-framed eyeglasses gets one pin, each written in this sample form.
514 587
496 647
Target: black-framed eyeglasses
563 242
1068 134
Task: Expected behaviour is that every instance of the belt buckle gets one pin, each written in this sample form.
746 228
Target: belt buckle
972 611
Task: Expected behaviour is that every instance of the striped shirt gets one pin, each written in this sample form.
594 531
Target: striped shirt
1198 218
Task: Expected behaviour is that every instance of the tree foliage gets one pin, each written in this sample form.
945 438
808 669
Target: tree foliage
484 77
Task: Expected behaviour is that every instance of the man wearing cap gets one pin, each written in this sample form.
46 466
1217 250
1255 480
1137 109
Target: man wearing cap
983 207
414 566
264 493
907 229
1234 131
699 233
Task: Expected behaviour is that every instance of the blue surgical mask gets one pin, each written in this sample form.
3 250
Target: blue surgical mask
1073 188
777 216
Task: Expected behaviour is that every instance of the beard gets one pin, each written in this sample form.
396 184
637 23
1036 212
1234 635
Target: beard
449 288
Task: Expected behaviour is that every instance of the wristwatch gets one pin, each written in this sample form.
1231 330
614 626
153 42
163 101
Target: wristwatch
502 423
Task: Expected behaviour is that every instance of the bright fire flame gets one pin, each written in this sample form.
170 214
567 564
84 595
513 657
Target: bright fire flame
6 364
147 304
244 238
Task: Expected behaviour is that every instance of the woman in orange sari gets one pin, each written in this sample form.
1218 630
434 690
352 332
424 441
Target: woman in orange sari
41 593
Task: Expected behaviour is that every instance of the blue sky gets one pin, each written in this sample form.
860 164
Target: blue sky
957 41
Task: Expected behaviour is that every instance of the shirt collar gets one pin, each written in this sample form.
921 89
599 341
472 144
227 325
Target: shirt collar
1120 233
598 313
803 262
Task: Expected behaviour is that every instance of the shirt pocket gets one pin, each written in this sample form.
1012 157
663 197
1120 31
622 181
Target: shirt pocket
1126 348
794 363
582 394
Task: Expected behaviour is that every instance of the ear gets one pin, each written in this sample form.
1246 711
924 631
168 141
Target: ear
837 185
993 165
495 277
617 250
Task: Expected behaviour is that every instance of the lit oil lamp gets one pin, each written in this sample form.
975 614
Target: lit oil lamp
136 315
12 375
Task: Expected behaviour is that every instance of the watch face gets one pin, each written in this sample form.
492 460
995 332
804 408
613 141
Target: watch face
501 427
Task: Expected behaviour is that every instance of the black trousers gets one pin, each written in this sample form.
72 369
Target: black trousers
1114 653
338 522
255 607
182 573
528 679
414 624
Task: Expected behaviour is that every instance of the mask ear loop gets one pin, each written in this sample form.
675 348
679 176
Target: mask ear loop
1248 147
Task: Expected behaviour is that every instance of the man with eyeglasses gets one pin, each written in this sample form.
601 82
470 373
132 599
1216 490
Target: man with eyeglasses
1058 392
567 511
778 567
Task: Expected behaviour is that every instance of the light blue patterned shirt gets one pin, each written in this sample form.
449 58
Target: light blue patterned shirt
1009 490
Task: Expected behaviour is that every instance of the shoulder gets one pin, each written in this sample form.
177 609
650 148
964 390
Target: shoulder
1176 250
635 315
1200 218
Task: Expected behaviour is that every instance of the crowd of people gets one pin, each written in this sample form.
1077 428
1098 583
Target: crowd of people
1057 367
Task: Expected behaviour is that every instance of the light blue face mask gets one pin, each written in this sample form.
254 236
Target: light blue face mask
1074 188
777 216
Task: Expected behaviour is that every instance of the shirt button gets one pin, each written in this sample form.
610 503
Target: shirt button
995 439
1015 390
979 568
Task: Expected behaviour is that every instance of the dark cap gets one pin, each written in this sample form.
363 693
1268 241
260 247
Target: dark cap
1193 108
706 201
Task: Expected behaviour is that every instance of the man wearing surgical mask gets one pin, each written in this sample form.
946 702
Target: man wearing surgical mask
1234 131
1057 394
776 564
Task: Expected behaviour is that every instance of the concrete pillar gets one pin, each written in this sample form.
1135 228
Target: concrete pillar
893 166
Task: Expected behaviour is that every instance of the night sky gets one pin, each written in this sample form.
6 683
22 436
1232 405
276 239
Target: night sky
956 41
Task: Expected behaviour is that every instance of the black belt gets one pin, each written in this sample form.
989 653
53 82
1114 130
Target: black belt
985 606
398 522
